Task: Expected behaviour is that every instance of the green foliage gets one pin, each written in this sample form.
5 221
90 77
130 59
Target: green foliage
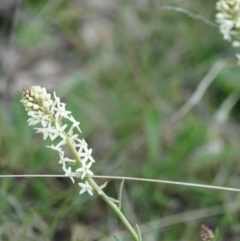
124 93
31 36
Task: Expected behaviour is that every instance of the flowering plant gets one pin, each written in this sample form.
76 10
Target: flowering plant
58 123
228 18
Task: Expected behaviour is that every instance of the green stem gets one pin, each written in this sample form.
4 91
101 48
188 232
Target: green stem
113 207
104 196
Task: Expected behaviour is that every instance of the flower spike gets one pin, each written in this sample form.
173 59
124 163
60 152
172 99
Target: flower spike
51 115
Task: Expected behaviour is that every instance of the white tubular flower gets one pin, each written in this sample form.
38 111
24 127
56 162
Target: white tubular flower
52 115
85 188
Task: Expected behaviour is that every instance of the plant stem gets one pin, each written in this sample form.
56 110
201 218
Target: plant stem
99 191
114 207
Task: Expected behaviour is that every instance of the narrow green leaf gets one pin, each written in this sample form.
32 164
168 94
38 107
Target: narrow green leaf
139 233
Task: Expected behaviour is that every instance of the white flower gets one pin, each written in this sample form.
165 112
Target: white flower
33 120
82 144
75 123
228 18
38 116
85 170
87 156
62 142
56 148
58 131
63 159
85 188
60 111
68 172
53 116
47 131
56 101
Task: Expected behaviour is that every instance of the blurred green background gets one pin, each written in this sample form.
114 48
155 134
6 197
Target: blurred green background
127 70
